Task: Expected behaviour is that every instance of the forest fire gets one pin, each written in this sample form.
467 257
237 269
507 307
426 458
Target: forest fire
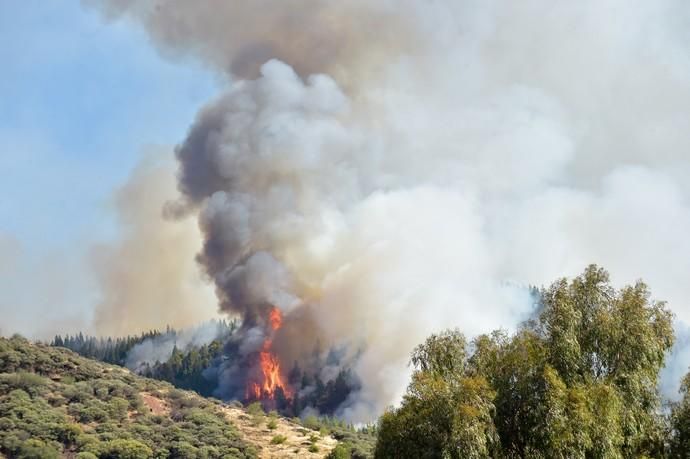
269 379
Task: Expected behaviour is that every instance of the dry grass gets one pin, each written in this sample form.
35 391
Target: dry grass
296 444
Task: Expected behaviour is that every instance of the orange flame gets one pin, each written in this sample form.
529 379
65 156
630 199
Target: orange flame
275 318
271 374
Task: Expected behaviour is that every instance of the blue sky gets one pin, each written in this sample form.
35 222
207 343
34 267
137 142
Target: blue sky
80 101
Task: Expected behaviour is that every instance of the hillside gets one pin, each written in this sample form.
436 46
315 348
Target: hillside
54 403
188 360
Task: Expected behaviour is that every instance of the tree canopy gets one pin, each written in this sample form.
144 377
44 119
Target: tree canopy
579 380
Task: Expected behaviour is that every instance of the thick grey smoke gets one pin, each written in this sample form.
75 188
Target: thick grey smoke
393 168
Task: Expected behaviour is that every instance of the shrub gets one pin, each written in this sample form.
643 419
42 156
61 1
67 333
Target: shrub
33 418
89 443
190 402
272 424
73 393
208 451
125 449
311 422
313 449
91 414
340 452
28 382
37 449
236 404
10 441
278 440
117 407
177 394
69 433
182 449
255 409
6 424
256 420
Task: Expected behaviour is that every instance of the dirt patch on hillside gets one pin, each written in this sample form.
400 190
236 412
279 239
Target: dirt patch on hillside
155 405
255 430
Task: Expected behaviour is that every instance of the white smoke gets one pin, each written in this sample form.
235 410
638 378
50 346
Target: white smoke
514 143
160 348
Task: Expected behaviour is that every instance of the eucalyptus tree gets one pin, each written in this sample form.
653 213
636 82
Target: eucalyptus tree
577 381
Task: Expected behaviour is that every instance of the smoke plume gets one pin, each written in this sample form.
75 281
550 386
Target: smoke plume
379 170
149 278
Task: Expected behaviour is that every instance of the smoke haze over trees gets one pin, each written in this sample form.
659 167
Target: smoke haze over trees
578 381
375 171
579 378
191 358
409 165
360 176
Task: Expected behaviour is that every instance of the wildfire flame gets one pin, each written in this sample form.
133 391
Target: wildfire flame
270 378
275 319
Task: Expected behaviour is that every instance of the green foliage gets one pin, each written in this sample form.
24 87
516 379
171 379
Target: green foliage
53 402
184 368
311 422
313 448
28 382
37 449
86 455
69 433
441 416
443 354
278 439
680 422
580 381
340 452
324 397
182 449
187 368
125 449
255 409
272 424
359 441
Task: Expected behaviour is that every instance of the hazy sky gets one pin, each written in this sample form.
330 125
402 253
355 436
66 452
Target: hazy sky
80 101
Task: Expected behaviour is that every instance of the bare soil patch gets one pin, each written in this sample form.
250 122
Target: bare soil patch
296 444
156 405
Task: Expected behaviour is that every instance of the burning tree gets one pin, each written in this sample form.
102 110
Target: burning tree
268 383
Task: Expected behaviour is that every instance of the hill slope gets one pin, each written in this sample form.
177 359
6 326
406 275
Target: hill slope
54 403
